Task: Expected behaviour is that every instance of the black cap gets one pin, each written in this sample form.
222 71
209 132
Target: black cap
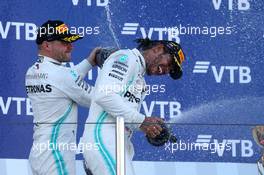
55 30
172 48
178 57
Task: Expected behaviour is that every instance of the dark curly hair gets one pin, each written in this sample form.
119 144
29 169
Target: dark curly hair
146 43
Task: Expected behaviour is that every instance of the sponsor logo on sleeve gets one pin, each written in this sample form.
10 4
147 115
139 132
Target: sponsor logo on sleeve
38 88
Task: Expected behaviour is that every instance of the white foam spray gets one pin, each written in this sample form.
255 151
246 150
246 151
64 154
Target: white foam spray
110 25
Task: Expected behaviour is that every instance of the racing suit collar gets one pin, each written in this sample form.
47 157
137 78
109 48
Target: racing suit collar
141 59
45 58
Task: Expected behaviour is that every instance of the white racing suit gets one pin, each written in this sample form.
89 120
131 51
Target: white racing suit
119 92
54 91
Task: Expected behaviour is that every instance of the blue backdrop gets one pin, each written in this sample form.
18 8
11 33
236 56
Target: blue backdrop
222 83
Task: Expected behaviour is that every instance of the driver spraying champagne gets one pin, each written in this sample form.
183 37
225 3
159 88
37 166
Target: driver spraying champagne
119 92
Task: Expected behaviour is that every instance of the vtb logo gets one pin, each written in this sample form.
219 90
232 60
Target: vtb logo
239 74
168 33
226 147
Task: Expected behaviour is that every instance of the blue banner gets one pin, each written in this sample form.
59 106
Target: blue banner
219 99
